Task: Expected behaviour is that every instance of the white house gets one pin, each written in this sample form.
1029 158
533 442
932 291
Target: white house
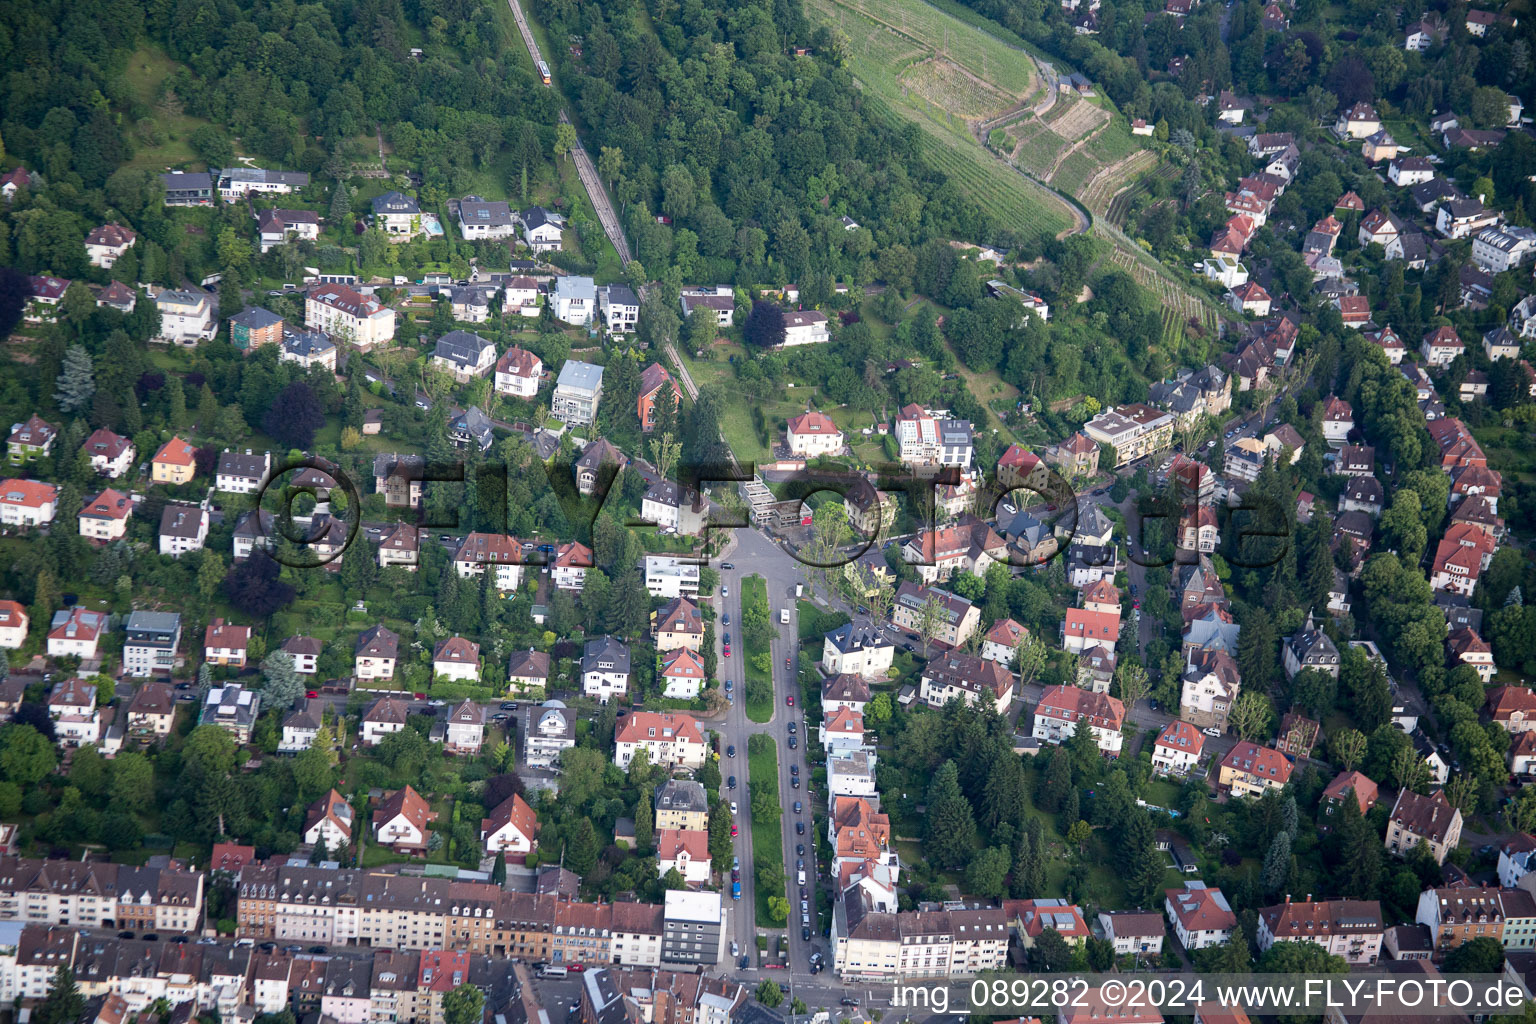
479 218
812 434
542 229
1463 218
301 725
682 674
851 773
456 658
1002 640
1441 346
186 317
684 850
382 717
397 215
27 502
805 327
518 372
512 828
401 821
575 299
1133 931
1177 748
183 528
1063 708
465 729
342 313
669 740
76 631
1226 271
463 355
76 719
106 245
841 731
501 554
1249 297
1358 122
857 648
668 576
276 226
620 308
14 622
242 473
569 569
1200 916
329 821
111 454
1503 247
578 390
1410 170
521 295
238 182
605 666
104 517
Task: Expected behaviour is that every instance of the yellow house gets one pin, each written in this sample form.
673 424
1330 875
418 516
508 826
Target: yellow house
681 804
173 463
1249 769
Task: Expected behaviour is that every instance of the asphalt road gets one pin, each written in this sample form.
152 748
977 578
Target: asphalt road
751 553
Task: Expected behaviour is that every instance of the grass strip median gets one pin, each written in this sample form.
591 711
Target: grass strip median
757 648
767 865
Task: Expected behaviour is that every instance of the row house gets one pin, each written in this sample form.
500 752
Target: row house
1351 929
881 946
100 894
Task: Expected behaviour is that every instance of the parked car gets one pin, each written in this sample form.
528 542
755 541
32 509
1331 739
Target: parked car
792 743
730 783
730 751
799 828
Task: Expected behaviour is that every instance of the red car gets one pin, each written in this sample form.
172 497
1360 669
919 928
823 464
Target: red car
733 831
311 694
790 700
727 650
576 968
419 696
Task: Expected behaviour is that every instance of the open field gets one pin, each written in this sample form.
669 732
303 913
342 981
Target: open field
148 67
926 67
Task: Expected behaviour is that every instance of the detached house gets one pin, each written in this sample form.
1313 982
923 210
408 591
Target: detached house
682 674
464 731
342 313
569 569
151 712
242 473
226 644
105 245
512 828
301 725
968 677
329 821
1249 769
397 215
1064 709
76 631
384 716
1177 748
671 740
375 653
76 719
1200 916
31 440
401 821
111 454
605 665
518 372
104 518
1423 819
1359 121
456 658
183 528
27 503
679 623
232 708
463 355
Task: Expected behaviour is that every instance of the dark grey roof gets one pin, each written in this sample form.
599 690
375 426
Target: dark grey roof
538 216
181 521
306 344
681 795
395 203
605 654
256 318
243 464
472 424
462 348
474 210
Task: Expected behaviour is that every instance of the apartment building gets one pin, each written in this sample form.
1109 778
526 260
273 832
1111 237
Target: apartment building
870 945
1351 929
1419 819
1132 431
342 313
149 648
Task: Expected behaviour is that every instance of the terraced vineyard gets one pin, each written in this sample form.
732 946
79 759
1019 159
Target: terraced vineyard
1104 189
1178 305
926 67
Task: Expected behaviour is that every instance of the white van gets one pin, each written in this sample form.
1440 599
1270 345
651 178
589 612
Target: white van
552 971
784 616
802 877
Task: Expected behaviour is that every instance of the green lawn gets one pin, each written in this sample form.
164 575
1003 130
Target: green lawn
754 592
148 67
767 832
